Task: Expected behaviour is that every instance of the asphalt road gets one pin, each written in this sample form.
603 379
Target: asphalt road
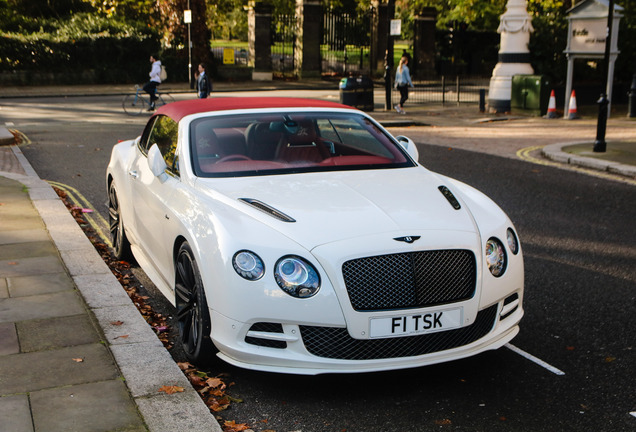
579 241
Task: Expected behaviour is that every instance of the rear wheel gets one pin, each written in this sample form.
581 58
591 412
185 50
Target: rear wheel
133 104
164 99
193 316
121 245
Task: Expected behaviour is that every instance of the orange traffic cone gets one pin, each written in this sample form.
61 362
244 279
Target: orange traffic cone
551 107
572 114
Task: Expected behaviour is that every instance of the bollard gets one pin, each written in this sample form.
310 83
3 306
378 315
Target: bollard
482 100
631 104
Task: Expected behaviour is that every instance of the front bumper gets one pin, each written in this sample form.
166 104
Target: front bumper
311 350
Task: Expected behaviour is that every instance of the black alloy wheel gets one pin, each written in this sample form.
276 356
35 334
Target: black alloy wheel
193 316
121 245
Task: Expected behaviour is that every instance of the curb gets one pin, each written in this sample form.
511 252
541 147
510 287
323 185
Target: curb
142 359
6 137
555 153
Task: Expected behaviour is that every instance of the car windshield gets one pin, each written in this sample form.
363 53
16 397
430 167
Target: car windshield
281 143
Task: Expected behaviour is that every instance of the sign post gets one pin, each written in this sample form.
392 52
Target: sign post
187 18
588 32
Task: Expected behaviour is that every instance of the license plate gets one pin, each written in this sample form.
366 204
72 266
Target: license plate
404 325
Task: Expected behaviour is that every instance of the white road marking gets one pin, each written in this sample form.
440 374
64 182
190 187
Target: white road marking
534 359
633 413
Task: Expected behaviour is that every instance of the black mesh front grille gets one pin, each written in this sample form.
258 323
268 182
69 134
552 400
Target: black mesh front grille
335 343
410 280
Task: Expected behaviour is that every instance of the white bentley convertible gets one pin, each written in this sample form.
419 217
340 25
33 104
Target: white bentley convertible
299 236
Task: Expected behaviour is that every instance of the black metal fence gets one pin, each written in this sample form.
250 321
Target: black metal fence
445 90
284 30
346 43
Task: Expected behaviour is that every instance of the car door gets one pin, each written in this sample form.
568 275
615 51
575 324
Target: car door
151 194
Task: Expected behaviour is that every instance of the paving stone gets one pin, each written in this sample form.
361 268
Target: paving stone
65 303
8 340
23 236
95 407
41 284
40 335
4 288
177 412
15 414
133 327
28 372
102 290
31 266
27 250
147 367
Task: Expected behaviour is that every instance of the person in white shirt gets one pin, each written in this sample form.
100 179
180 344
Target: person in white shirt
155 79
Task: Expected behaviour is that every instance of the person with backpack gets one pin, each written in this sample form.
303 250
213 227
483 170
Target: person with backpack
155 79
204 83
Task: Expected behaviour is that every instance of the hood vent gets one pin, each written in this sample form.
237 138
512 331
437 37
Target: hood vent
268 209
450 197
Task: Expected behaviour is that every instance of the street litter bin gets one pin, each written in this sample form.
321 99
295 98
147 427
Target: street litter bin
357 92
530 94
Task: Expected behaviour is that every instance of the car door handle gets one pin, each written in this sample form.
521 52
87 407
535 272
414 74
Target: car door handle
133 174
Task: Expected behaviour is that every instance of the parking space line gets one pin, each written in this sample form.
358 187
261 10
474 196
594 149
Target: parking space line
534 359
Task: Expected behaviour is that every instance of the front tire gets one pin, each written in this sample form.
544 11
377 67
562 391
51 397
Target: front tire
133 104
193 316
121 245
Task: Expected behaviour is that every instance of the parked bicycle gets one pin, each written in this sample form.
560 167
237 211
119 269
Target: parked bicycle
134 104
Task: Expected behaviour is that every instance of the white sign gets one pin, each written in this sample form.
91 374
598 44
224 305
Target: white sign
588 35
396 27
187 16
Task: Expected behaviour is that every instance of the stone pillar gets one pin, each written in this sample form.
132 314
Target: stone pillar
514 57
382 34
424 42
259 19
307 59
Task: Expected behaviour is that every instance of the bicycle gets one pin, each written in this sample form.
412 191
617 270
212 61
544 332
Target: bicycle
140 101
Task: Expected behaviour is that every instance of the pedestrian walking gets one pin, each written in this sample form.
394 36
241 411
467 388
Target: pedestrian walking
204 83
402 83
155 79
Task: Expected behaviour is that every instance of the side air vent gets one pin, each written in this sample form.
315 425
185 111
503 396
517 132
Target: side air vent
450 197
268 209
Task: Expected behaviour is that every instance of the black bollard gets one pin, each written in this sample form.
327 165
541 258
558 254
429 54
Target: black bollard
482 100
631 104
600 146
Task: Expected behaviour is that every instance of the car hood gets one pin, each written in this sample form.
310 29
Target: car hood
333 206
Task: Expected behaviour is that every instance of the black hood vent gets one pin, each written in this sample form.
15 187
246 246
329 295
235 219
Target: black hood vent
450 197
268 209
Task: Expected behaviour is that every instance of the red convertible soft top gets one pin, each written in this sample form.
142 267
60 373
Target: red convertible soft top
178 110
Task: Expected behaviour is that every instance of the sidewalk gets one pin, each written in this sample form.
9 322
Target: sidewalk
75 354
66 362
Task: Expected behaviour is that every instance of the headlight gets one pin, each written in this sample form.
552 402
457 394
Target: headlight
513 243
495 257
297 277
248 265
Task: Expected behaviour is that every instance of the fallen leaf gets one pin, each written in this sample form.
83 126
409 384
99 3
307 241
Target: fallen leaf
12 263
171 389
213 382
78 360
122 337
116 323
232 426
609 359
443 422
569 348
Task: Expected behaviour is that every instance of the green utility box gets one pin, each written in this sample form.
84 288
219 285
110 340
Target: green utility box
530 94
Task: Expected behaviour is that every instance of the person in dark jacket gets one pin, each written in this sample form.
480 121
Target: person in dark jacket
204 83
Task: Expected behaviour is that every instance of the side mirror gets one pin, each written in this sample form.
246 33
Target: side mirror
409 146
155 161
